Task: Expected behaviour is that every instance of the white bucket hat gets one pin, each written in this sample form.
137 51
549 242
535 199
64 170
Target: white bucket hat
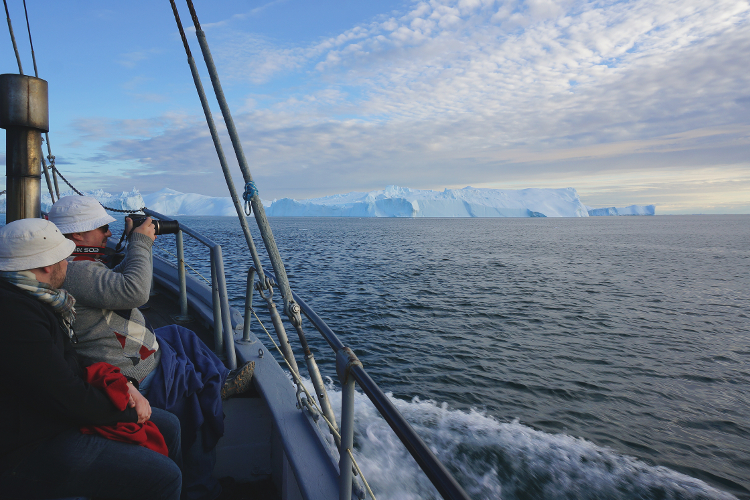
32 243
78 214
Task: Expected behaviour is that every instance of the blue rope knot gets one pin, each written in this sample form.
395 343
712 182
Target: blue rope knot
250 190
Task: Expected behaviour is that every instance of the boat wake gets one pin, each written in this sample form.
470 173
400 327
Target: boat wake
504 460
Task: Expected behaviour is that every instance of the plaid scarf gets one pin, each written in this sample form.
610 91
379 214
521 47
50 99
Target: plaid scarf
60 300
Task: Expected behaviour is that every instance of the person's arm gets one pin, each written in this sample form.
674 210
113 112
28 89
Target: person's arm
35 371
93 285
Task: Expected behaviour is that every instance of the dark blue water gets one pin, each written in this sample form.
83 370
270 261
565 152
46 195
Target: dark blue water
541 358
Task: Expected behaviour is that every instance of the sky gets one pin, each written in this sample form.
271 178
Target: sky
630 102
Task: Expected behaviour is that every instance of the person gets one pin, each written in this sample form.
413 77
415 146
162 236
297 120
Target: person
172 367
46 401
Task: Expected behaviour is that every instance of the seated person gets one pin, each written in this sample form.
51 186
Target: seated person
45 399
176 371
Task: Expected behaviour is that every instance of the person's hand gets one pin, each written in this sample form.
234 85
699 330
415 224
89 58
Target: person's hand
146 228
140 403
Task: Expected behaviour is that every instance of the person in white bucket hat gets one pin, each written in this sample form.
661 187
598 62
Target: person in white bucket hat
45 399
112 329
84 221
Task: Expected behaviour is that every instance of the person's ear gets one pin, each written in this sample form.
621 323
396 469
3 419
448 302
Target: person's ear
47 269
76 237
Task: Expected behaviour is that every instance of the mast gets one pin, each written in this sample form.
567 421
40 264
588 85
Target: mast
24 114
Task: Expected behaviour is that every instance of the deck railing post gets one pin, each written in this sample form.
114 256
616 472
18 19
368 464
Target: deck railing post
181 274
216 302
345 359
248 305
225 311
347 440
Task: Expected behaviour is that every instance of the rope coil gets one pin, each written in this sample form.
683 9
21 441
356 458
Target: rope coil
250 190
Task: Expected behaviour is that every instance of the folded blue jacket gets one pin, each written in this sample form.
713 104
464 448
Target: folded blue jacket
187 383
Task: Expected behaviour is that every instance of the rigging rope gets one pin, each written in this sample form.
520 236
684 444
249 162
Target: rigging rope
13 37
31 43
314 403
184 261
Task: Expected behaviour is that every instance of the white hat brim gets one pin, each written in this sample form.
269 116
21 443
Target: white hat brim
86 225
45 258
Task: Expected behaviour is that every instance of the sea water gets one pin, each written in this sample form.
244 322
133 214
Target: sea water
539 358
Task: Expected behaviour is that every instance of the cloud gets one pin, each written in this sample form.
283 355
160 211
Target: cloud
478 92
132 59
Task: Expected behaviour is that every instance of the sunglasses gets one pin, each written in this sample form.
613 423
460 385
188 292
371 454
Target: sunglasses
104 228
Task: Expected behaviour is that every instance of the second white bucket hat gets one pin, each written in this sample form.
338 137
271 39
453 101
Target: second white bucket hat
78 214
32 243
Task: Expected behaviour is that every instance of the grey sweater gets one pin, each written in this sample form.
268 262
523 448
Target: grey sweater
108 324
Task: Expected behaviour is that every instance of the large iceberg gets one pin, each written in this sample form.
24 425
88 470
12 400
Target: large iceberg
392 201
171 202
132 200
631 210
395 201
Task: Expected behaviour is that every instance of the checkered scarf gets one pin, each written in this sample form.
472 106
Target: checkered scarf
60 300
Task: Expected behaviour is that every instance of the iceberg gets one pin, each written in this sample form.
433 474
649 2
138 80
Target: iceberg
395 201
132 200
171 202
631 210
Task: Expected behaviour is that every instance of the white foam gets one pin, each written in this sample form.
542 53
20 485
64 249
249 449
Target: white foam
507 460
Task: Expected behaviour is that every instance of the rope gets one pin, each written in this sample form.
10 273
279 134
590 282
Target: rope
314 403
182 31
31 43
54 169
359 471
13 37
296 377
184 261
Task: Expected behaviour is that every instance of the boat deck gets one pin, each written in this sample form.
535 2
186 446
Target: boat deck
160 311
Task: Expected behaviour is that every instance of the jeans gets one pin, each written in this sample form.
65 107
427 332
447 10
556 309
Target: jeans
74 464
198 464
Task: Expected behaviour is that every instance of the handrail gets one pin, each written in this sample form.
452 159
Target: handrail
223 333
439 476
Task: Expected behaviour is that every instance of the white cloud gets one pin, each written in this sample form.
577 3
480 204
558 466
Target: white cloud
480 91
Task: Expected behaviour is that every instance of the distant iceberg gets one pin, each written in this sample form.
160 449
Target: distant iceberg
132 200
392 201
395 201
631 210
171 202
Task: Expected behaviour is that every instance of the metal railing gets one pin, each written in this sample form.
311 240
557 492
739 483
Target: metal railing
350 370
223 332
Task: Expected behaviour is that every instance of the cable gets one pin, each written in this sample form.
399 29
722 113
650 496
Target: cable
191 267
54 169
31 43
13 37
